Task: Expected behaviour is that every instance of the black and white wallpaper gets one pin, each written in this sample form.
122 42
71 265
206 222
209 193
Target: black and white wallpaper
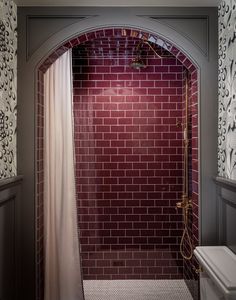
8 69
227 90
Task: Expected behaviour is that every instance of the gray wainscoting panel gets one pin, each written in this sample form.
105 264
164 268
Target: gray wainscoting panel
10 239
227 212
7 249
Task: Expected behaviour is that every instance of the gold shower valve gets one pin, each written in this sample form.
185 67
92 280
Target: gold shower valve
180 204
185 204
179 124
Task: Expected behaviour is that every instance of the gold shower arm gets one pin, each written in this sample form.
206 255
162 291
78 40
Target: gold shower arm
150 46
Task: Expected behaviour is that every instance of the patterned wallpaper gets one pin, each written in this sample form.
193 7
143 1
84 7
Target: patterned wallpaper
8 67
227 89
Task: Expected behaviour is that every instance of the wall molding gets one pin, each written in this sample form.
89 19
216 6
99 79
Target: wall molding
225 183
31 20
9 182
204 49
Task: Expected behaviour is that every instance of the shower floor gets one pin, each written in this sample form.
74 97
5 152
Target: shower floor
136 290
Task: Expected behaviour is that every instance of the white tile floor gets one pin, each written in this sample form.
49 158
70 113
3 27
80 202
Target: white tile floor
136 290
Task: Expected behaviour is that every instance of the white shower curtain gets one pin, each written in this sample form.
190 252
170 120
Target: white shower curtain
62 259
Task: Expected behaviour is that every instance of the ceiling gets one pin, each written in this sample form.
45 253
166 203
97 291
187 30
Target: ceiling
173 3
114 47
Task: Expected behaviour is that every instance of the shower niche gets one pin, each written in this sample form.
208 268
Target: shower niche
129 121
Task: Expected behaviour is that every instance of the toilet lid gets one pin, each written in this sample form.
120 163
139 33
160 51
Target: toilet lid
220 264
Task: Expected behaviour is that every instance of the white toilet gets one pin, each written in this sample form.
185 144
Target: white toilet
218 279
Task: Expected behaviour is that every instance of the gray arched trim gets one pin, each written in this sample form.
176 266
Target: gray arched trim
94 23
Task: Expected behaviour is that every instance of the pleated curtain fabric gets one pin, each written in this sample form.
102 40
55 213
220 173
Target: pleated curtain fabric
62 257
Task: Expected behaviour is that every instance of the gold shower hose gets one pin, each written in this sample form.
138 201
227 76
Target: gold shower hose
188 239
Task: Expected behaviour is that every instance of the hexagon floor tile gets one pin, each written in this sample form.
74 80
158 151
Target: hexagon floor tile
136 290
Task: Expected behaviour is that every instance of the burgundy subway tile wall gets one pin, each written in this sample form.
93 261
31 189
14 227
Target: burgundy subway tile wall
129 183
129 155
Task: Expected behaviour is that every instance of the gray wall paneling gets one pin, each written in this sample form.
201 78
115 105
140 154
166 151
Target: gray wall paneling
42 30
226 208
10 239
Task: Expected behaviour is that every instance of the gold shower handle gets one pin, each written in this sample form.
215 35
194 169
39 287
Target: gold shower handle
186 202
179 124
180 205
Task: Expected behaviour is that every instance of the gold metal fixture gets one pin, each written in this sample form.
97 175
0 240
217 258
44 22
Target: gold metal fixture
186 203
179 124
198 270
137 62
150 46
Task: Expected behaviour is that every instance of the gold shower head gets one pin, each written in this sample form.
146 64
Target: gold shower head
137 63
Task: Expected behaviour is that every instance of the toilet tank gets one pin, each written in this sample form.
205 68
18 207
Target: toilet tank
208 290
218 279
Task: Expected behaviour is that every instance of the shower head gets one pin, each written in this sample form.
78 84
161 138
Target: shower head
137 63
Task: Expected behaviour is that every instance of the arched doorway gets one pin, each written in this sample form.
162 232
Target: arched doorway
41 31
151 103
